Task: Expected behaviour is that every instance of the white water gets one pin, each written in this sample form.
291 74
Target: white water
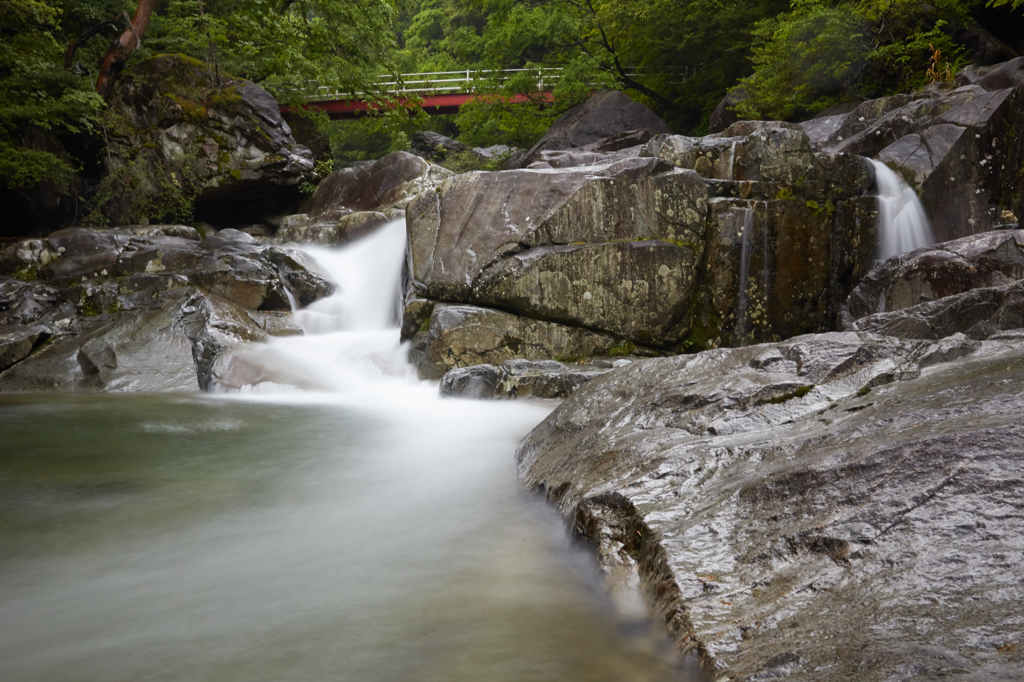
903 223
342 522
746 247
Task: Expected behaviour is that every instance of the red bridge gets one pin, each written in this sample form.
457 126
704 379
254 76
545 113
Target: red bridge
441 92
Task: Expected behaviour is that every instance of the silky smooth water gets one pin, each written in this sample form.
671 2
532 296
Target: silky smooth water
903 223
341 522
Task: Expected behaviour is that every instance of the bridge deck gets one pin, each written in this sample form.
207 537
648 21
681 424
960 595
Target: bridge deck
441 92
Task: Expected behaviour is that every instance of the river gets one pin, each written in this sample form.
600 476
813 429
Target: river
341 522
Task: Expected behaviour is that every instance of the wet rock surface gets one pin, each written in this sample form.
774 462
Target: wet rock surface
675 244
352 202
991 259
141 308
524 378
839 506
958 145
170 125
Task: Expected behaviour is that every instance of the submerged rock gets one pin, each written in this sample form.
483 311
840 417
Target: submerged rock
141 308
838 505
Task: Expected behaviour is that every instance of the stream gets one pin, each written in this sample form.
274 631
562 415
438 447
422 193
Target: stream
339 521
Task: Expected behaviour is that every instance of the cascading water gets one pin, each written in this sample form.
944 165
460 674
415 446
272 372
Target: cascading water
743 306
351 341
903 223
338 521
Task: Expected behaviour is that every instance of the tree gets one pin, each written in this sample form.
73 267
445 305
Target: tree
287 43
40 101
823 52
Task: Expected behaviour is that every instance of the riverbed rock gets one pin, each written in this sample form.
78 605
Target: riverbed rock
546 379
604 114
141 308
835 506
172 131
959 145
464 335
991 259
677 244
389 181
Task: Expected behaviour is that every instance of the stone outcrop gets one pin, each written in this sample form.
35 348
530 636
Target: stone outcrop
959 145
603 115
547 379
352 202
677 244
173 133
143 308
463 335
435 146
836 506
992 259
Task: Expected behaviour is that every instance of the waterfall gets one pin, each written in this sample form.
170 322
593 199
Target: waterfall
743 307
903 224
726 166
351 340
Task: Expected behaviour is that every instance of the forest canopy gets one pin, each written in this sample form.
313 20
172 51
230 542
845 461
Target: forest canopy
786 59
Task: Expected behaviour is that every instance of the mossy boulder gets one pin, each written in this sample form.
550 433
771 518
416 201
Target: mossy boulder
176 137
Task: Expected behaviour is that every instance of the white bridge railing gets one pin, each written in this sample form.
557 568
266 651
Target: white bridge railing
431 83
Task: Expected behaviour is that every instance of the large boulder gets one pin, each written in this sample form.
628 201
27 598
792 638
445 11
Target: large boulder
834 506
959 145
678 244
143 308
173 135
604 114
983 313
463 336
352 202
435 146
992 259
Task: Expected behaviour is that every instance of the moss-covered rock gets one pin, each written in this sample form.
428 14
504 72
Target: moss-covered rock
175 139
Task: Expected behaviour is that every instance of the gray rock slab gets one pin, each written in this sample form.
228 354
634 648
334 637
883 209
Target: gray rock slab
831 507
545 379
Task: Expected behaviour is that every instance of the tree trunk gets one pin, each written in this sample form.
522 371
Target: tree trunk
129 41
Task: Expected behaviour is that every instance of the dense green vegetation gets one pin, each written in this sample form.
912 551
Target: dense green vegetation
792 58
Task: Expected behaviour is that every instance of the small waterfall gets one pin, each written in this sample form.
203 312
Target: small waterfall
351 339
903 223
743 307
726 166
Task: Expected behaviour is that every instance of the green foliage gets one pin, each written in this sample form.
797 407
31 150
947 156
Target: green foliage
823 52
40 102
342 42
147 189
373 136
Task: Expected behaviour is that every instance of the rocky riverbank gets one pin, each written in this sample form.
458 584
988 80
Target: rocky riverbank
810 462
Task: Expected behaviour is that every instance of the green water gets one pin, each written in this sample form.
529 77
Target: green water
195 538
